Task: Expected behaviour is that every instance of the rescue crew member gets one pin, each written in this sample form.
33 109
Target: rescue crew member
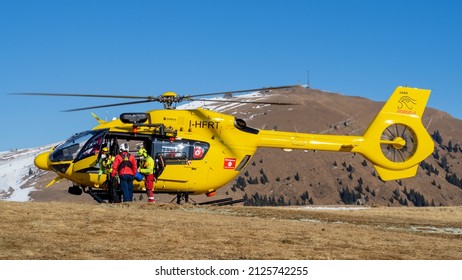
147 169
105 167
125 166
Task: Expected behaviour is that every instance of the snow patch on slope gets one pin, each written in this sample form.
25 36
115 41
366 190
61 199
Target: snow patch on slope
16 171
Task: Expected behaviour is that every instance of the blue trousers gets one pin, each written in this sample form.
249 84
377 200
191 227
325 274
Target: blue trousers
126 185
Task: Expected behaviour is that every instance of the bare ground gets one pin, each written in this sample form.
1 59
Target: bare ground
57 230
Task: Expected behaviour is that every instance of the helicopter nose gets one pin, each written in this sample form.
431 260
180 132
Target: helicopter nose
41 161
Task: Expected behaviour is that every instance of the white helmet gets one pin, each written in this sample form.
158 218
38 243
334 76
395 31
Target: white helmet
123 147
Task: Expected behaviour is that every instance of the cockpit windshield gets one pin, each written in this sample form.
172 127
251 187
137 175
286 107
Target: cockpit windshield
79 146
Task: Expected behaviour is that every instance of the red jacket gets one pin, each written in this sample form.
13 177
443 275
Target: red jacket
124 167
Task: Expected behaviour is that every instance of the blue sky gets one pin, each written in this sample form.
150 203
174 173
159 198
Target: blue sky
361 48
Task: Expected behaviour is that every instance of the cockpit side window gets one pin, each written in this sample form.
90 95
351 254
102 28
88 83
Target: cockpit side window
92 147
72 148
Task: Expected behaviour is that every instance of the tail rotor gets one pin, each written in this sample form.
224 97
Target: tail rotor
398 142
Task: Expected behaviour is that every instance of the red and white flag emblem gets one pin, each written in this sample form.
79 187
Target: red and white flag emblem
229 163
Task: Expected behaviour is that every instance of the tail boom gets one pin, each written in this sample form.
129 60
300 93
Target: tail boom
306 141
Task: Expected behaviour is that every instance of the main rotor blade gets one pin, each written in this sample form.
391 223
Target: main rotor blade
161 98
249 102
243 90
145 97
110 105
83 95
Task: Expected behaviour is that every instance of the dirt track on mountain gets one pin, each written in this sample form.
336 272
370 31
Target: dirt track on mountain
57 230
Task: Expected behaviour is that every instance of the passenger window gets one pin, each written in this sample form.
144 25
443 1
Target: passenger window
180 151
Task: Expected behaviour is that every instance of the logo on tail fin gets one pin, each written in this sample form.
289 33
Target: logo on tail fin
406 105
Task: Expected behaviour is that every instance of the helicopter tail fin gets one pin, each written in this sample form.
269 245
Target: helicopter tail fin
396 141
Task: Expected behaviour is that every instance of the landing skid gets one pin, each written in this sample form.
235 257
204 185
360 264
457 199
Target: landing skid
183 197
100 196
222 202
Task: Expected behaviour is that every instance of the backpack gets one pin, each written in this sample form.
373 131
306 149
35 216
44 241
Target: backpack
125 162
159 165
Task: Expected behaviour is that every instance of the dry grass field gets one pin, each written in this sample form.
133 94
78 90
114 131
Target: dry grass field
57 230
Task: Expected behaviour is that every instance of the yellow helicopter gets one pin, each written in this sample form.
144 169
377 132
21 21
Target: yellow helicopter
204 149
